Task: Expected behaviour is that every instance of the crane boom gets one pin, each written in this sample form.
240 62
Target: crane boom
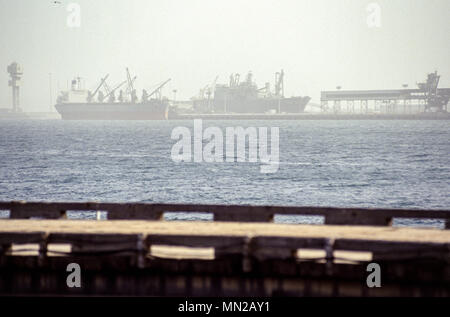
115 88
130 81
159 88
107 88
99 86
212 88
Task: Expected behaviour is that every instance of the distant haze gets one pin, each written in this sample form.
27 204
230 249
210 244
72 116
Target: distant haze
319 44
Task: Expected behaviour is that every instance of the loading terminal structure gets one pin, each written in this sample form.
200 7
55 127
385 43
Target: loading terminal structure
426 98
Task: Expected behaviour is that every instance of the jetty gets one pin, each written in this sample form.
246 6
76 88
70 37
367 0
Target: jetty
311 116
131 249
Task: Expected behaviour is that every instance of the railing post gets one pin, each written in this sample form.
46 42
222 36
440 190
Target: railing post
329 254
246 252
141 252
42 250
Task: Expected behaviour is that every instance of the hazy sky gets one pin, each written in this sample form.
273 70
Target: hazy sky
319 44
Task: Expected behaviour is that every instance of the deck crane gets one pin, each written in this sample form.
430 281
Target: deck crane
279 83
111 91
158 89
130 87
130 82
91 96
210 90
201 92
234 80
101 95
107 88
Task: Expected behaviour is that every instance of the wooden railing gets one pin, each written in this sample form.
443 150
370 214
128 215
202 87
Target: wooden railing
259 247
233 213
122 259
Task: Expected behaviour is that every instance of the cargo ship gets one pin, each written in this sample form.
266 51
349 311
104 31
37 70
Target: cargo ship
102 103
245 97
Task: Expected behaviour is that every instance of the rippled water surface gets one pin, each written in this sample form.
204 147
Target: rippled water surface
401 164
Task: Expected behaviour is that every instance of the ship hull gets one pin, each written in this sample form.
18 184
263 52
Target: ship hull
112 111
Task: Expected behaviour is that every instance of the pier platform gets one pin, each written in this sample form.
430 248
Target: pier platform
313 116
239 252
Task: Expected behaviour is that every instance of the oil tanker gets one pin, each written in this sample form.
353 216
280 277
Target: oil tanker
245 97
102 104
